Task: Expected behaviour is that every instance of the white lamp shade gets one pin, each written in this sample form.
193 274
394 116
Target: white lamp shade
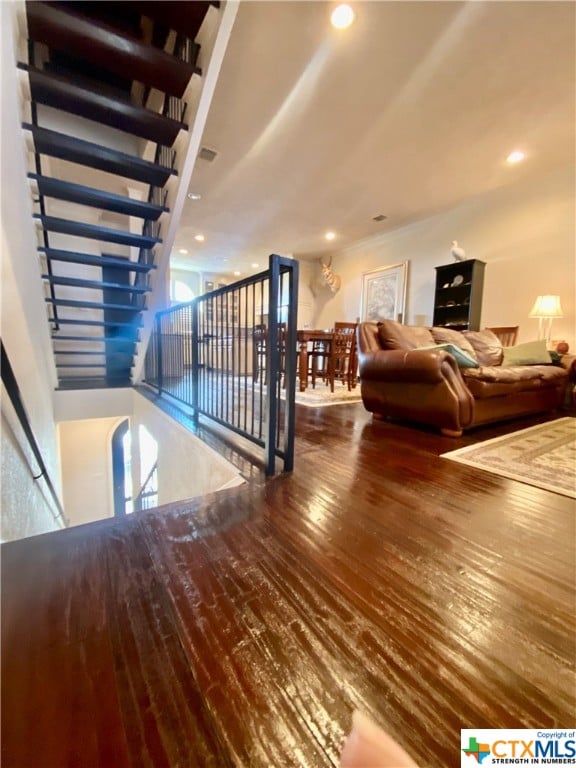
547 306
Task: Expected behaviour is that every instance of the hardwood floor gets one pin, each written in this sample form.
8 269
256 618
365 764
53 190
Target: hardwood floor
242 629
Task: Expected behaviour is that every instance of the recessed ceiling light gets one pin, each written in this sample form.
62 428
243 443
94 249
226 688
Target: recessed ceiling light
255 266
237 273
199 238
194 196
515 157
183 250
342 17
329 235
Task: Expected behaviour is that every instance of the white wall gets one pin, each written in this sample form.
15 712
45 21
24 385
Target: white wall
187 467
189 278
27 505
74 404
24 325
525 234
86 457
308 293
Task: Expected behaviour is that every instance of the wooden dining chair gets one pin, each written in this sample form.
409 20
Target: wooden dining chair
260 348
320 351
318 356
342 364
506 334
259 338
351 327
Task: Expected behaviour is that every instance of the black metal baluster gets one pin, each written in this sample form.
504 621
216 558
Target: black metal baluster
195 359
159 352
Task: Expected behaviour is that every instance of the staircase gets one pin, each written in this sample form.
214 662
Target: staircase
106 81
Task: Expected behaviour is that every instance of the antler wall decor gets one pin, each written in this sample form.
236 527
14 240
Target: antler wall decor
331 279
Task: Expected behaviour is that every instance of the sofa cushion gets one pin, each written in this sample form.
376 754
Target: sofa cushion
463 359
394 335
529 353
448 336
487 346
493 381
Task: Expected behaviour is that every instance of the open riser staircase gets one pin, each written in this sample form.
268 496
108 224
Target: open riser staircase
105 83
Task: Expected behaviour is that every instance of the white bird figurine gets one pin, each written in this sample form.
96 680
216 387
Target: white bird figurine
458 253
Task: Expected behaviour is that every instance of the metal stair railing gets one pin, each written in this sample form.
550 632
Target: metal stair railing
207 354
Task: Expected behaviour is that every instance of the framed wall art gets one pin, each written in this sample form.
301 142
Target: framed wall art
384 293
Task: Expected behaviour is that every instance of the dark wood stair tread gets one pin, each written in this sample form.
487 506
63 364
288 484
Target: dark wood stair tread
95 284
67 383
85 365
87 352
96 198
58 92
133 325
128 342
93 305
54 144
90 259
169 13
105 46
95 232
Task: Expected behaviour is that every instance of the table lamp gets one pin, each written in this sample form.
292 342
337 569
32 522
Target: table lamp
546 308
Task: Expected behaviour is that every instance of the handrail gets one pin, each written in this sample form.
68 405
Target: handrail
9 381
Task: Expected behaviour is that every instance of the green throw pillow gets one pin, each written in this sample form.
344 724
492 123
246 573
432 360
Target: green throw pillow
462 358
529 353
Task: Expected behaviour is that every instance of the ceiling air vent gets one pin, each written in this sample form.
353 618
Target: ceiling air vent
380 217
207 154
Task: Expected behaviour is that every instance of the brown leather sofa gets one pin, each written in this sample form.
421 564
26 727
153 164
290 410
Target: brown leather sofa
401 380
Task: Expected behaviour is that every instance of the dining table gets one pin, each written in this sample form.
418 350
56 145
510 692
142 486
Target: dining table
304 337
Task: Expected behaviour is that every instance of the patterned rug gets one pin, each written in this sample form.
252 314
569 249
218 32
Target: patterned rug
321 395
316 397
544 456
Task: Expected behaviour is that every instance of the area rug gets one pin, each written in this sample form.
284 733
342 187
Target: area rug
321 396
312 397
544 456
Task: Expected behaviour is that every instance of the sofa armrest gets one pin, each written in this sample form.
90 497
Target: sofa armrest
569 363
420 366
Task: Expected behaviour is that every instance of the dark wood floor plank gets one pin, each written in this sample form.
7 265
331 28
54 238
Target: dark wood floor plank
216 584
156 688
243 628
57 662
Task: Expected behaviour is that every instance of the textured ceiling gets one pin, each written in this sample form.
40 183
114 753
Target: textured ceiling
410 111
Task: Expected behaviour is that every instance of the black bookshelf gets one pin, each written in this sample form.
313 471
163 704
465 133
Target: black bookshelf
458 295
